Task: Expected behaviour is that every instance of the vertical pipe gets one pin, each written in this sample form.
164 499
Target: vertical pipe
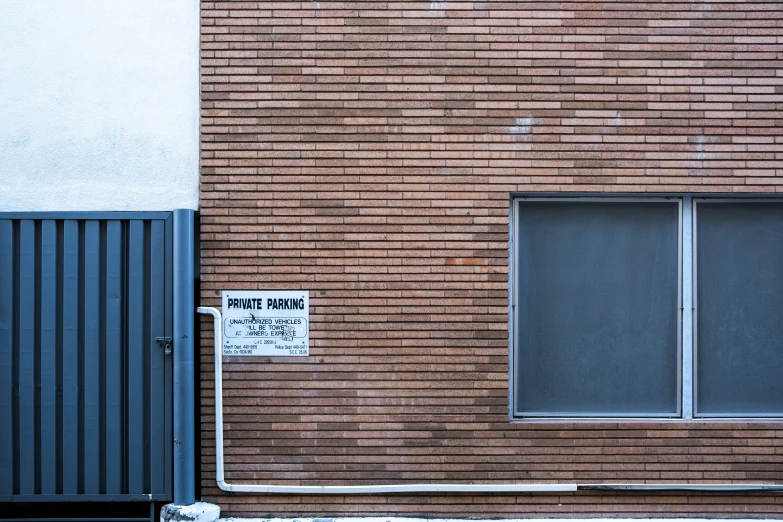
184 427
218 342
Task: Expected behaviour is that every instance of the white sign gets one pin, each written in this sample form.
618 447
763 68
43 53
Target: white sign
266 323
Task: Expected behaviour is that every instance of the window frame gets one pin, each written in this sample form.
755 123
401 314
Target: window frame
687 304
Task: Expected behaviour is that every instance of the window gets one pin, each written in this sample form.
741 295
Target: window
665 307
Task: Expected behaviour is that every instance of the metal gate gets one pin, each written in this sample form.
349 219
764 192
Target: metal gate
85 388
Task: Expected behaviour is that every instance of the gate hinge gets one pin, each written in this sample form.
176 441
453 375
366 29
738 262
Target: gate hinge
165 343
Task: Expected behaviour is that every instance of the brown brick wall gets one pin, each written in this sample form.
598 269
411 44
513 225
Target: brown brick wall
365 151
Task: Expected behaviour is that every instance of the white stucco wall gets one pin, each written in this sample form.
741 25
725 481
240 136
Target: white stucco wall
99 105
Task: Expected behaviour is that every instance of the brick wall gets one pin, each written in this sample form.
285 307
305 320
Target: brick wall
365 151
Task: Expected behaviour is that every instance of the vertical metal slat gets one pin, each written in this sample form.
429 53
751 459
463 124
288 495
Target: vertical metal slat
136 357
92 356
113 353
26 308
168 362
157 410
48 362
71 414
6 356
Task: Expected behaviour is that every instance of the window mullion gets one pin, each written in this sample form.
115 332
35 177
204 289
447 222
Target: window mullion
687 307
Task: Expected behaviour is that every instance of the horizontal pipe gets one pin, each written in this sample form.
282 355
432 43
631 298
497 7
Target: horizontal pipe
400 488
421 488
704 488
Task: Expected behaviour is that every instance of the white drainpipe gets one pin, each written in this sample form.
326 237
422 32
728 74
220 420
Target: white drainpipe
420 488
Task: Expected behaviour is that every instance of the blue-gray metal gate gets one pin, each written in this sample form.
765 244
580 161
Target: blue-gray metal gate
85 389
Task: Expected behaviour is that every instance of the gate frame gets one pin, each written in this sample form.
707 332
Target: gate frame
170 318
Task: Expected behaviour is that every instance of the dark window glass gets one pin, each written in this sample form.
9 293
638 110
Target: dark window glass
597 308
739 291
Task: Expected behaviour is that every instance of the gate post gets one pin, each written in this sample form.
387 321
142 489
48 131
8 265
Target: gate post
185 506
